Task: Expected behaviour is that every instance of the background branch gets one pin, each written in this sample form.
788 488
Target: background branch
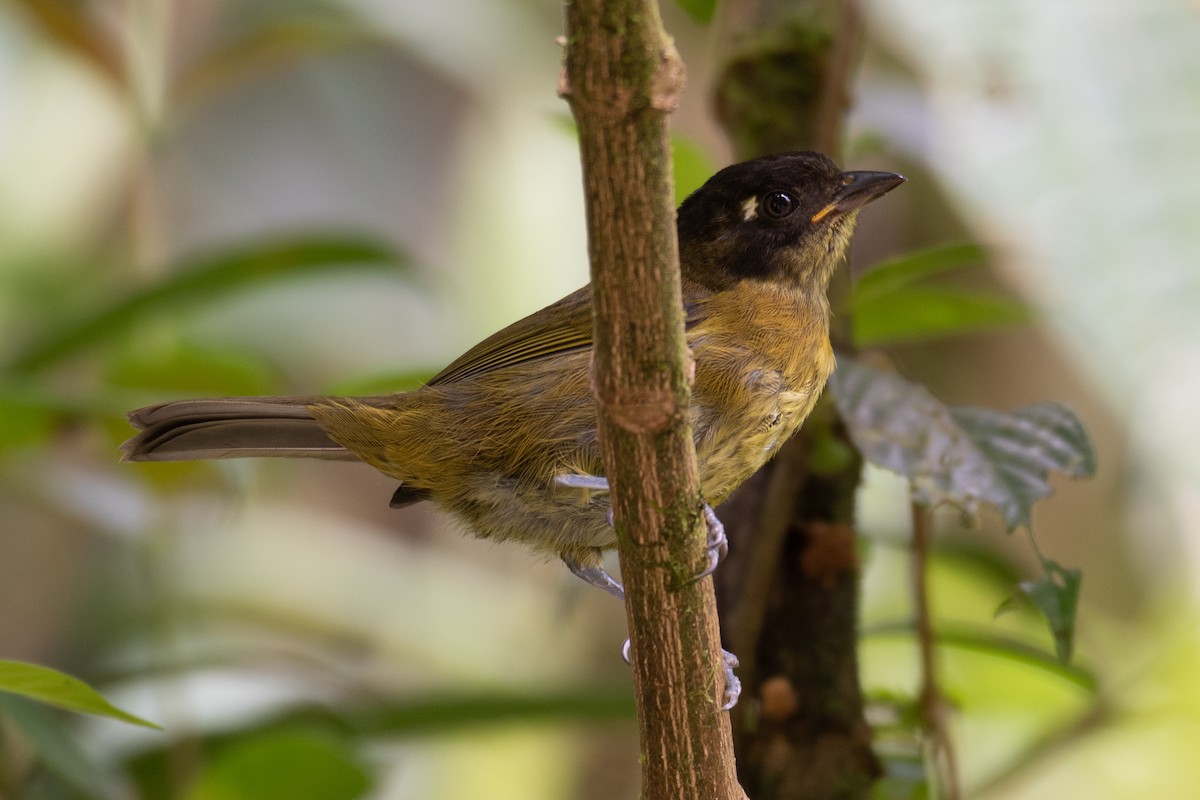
789 591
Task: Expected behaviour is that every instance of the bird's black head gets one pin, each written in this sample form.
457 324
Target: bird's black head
782 218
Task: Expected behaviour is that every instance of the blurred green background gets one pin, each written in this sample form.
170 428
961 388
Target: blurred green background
265 197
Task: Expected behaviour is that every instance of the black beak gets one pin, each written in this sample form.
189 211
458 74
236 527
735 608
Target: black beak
858 189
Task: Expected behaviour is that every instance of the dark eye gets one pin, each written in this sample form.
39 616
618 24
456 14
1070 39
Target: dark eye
777 205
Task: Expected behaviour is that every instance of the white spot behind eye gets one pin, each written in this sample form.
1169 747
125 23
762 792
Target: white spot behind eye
749 208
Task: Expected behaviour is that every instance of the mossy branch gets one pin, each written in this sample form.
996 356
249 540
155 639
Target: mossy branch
622 77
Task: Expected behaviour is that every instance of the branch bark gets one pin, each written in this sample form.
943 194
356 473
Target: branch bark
622 76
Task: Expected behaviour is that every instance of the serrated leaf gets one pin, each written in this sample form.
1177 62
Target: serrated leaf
61 690
962 455
916 313
1056 594
203 280
701 11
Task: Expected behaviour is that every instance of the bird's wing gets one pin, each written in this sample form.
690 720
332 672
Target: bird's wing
561 327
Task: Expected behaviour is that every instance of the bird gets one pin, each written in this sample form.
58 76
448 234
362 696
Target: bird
504 438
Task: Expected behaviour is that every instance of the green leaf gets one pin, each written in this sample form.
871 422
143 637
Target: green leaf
702 11
55 747
904 778
897 273
382 383
988 642
426 715
961 455
917 314
181 367
691 166
58 689
888 306
289 764
29 415
1056 594
203 280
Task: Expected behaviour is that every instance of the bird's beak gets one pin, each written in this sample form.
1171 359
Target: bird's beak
858 189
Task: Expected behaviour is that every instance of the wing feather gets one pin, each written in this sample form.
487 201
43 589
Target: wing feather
561 327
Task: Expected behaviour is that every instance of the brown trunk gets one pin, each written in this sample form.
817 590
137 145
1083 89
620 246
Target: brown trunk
788 594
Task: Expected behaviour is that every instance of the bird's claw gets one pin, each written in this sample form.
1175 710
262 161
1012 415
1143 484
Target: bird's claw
716 543
733 684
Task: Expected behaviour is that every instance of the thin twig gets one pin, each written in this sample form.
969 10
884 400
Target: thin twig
931 703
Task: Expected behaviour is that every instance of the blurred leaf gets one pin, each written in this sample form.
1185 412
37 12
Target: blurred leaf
273 44
22 423
423 717
700 10
916 314
452 712
960 455
1007 648
691 165
181 367
68 26
55 748
58 689
385 383
206 279
904 778
888 307
892 275
29 416
290 764
1056 594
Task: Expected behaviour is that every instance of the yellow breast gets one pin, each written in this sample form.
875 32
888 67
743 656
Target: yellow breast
762 357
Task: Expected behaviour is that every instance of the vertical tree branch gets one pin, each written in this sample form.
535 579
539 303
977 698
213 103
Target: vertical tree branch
622 77
789 591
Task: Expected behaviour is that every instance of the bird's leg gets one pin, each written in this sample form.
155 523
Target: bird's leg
716 543
594 574
586 564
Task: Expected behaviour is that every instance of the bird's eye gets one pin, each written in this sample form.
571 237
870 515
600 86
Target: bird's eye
777 205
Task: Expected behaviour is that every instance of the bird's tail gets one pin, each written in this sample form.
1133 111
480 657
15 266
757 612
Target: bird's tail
231 427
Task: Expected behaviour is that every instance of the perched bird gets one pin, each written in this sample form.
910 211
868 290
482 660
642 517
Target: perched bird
505 437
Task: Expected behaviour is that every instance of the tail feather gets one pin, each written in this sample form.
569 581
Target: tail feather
232 427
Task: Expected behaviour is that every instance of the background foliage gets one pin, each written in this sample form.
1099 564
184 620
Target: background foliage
268 197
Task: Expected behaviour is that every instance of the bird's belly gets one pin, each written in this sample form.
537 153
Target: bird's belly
500 507
733 449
